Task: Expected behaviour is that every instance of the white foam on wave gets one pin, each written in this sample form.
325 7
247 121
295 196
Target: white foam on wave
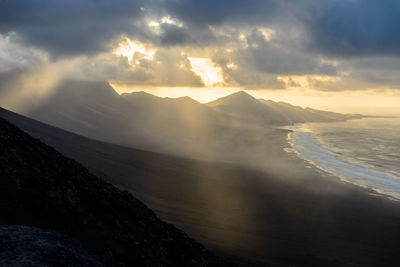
307 147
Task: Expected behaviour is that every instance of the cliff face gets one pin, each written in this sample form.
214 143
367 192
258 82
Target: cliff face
39 187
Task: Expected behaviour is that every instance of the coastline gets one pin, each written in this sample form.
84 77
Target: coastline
342 168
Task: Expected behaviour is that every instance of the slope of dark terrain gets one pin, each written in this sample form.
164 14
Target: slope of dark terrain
294 216
39 187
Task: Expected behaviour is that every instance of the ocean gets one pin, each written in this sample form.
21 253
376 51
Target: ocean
365 152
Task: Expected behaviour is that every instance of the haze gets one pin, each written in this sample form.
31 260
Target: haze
289 51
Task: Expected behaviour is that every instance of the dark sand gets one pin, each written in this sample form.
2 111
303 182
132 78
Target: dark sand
283 216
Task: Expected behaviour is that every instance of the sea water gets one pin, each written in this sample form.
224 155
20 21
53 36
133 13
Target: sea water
365 152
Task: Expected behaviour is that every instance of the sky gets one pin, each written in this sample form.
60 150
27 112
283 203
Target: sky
340 55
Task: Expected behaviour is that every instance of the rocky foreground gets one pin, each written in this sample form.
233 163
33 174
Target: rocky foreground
41 188
29 246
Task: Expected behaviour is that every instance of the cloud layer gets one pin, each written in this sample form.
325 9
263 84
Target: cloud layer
254 43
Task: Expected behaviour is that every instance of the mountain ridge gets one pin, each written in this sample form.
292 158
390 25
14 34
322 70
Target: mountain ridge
179 126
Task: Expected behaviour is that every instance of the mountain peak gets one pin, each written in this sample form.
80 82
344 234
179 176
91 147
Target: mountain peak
241 94
185 99
238 98
86 88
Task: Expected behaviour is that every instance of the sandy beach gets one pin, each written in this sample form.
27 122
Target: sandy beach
283 216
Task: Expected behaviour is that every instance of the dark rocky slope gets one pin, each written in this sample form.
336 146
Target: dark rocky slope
40 187
28 246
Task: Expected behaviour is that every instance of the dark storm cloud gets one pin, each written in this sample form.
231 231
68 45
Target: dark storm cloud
211 12
382 71
68 27
172 34
354 27
268 57
359 35
334 27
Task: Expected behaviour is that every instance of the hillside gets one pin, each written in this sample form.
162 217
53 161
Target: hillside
294 114
245 108
251 216
41 188
176 117
248 109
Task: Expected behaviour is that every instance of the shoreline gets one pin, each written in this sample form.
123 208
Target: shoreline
342 177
